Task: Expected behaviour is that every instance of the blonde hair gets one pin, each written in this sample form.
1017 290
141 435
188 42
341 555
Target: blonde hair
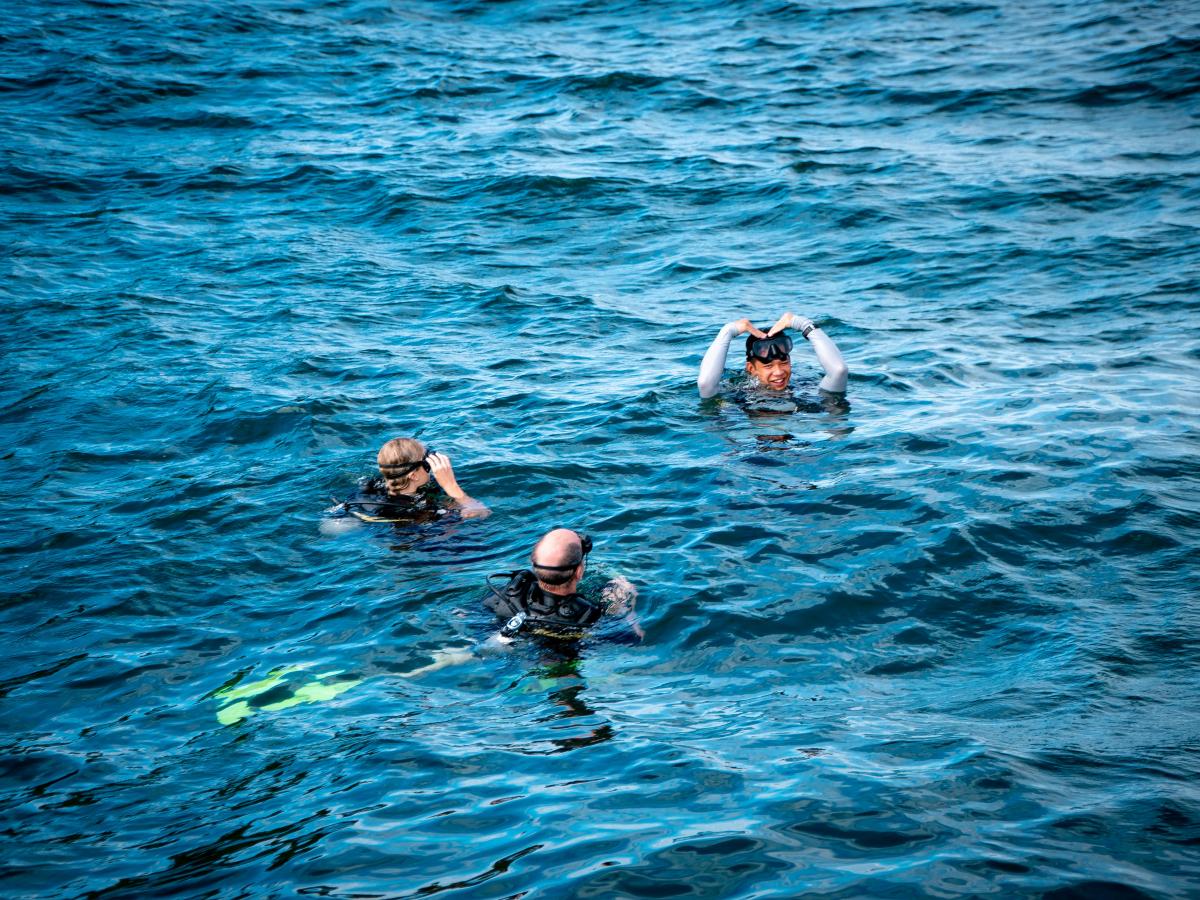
399 451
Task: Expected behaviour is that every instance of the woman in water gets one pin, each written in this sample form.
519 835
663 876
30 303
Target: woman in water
404 489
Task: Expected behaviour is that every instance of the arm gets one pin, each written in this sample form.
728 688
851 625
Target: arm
619 597
828 355
439 466
712 367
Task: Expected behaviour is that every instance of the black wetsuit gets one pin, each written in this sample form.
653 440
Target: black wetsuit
523 602
375 504
759 401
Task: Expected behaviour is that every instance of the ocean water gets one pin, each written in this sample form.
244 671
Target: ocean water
938 641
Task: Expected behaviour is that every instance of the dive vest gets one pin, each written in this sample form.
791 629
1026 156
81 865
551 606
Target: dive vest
374 504
540 612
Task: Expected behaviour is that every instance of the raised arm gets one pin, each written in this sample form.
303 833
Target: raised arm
712 367
440 468
828 355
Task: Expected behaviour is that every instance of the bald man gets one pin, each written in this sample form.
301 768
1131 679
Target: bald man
553 598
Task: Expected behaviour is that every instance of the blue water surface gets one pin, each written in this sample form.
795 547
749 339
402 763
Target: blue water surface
938 641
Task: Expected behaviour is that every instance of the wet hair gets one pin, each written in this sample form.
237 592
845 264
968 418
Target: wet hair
400 452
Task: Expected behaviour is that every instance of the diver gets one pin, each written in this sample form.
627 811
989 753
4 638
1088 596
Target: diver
404 490
768 356
554 598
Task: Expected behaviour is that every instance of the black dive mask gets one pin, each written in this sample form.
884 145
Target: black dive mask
770 348
399 470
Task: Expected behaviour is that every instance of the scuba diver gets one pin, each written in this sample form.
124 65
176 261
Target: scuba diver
554 598
768 357
404 490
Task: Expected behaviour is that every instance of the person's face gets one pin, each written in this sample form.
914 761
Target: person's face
774 374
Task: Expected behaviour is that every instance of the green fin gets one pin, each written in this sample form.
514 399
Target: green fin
231 715
314 691
252 689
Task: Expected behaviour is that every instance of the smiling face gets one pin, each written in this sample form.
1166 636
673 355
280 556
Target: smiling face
773 375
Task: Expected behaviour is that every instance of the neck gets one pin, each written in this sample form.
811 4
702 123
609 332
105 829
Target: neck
560 590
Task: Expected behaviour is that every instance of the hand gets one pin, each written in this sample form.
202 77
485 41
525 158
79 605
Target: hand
744 325
787 320
619 596
473 509
443 472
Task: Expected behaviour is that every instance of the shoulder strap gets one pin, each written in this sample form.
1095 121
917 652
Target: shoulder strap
512 597
511 576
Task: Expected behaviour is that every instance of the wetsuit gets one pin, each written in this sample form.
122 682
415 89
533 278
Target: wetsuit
529 609
828 355
375 504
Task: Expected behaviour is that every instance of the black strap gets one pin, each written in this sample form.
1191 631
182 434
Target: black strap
399 469
491 587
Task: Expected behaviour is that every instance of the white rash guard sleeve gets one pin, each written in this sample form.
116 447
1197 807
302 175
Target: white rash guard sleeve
712 367
828 355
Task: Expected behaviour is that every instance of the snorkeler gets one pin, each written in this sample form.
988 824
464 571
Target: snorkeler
768 356
404 491
554 599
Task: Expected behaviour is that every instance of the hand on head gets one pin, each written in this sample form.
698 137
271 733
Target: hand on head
785 321
443 472
439 466
745 325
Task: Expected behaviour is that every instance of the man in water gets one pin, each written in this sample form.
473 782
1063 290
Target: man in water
768 356
555 598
